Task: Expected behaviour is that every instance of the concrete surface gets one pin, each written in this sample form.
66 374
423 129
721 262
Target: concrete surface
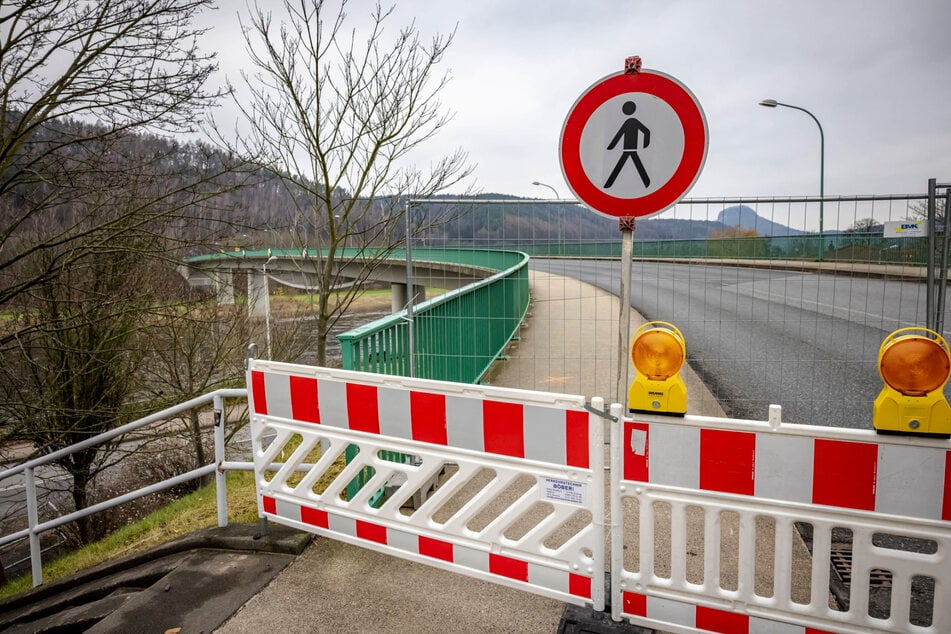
192 584
570 343
336 587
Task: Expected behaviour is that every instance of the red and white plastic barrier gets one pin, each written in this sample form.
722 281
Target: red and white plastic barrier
706 513
545 446
873 486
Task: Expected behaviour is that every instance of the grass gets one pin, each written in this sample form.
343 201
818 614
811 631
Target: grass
185 515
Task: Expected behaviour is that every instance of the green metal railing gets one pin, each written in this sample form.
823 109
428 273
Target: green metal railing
457 335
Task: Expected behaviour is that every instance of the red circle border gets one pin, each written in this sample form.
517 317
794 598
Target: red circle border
696 140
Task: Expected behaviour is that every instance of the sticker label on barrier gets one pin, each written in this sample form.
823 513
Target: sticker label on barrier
565 491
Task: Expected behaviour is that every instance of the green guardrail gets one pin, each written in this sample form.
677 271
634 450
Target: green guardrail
457 336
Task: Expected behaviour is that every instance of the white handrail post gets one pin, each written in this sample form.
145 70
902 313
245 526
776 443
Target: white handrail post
221 480
33 518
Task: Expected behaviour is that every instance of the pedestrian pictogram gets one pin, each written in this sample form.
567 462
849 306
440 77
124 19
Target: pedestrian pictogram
633 144
628 134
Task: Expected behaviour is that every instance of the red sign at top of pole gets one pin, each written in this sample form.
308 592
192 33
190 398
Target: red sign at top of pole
633 144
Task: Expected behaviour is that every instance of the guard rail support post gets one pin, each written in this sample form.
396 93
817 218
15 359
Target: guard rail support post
33 519
221 479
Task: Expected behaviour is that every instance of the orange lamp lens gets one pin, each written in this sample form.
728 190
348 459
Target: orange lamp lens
914 366
657 354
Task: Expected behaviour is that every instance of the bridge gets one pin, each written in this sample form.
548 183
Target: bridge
299 268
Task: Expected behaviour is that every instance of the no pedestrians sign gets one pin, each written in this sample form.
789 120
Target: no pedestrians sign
633 144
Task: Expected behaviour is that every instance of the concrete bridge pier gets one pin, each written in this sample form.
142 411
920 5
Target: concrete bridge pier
223 283
400 299
259 300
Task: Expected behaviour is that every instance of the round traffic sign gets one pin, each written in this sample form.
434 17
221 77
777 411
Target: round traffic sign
633 144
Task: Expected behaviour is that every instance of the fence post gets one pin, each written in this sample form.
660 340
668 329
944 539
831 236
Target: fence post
930 317
33 518
943 277
221 479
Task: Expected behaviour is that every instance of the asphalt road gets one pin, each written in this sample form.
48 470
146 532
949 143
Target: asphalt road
803 340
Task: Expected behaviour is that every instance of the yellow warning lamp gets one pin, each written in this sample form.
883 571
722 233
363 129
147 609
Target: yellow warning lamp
658 353
915 364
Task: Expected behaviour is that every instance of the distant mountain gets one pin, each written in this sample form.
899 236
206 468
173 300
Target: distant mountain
746 218
676 229
494 223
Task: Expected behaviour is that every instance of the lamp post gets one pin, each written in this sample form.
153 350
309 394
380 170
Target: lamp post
536 183
561 219
267 306
772 103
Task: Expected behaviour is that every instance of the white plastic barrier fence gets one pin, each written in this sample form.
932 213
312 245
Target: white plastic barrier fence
717 525
708 517
508 485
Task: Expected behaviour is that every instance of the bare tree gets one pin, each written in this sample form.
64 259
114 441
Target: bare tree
919 210
76 79
89 205
865 225
337 116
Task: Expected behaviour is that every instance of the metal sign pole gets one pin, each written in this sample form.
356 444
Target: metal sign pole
626 225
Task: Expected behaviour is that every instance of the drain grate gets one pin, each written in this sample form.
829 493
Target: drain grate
841 556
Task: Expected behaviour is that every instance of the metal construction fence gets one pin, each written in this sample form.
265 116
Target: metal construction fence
764 318
456 336
716 524
868 247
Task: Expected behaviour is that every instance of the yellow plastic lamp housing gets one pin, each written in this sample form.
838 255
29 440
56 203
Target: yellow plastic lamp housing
658 353
915 364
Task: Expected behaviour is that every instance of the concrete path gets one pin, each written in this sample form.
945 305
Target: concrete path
569 344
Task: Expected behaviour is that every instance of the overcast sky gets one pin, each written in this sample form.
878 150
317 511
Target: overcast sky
876 73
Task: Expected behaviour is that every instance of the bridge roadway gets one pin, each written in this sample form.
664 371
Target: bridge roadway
759 333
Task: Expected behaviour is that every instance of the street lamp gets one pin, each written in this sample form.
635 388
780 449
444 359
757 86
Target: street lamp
561 219
536 183
267 306
772 103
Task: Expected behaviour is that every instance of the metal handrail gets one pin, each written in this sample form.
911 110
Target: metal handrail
447 324
219 467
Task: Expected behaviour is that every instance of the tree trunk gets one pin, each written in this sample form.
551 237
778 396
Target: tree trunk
81 481
194 424
195 430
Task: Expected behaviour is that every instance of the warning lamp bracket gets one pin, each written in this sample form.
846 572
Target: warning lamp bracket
602 413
